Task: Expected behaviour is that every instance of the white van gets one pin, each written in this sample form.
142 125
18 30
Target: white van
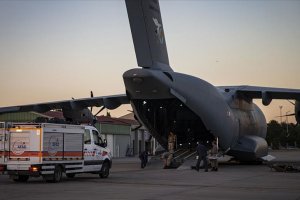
49 150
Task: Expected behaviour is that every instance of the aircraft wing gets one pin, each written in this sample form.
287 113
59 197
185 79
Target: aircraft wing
264 93
109 102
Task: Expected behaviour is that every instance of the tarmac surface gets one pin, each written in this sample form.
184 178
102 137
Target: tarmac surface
128 181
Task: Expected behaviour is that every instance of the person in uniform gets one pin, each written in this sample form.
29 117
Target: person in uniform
144 158
213 156
202 155
171 146
171 142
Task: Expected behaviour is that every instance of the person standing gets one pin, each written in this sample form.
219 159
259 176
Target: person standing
171 142
202 155
171 146
213 156
144 159
165 157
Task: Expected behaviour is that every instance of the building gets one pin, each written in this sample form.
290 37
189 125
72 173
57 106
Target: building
117 134
140 134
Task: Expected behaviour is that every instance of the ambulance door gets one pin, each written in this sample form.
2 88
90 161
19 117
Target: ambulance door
98 160
89 153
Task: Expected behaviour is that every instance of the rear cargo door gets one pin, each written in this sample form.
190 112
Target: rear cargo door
24 144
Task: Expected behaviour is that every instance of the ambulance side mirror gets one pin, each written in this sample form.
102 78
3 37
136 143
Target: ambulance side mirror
104 144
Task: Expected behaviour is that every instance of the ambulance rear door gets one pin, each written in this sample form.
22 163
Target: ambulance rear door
24 147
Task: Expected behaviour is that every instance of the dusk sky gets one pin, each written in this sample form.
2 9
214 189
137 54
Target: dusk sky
55 50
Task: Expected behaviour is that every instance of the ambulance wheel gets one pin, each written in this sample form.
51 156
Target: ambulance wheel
57 174
104 173
56 177
21 178
72 175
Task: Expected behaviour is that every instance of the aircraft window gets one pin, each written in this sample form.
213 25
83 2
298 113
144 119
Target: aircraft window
98 141
87 137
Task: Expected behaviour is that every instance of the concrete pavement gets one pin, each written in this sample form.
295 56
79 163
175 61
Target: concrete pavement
128 181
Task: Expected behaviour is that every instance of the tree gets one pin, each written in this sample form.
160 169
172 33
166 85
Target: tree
274 132
283 134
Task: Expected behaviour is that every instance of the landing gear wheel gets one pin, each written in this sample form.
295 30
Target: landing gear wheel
104 173
21 178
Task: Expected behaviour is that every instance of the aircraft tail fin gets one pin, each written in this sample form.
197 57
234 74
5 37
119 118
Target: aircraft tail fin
148 34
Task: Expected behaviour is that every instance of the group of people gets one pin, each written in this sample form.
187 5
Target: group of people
202 153
167 157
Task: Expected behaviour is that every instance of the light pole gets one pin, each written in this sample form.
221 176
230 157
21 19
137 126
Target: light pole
287 121
287 127
280 107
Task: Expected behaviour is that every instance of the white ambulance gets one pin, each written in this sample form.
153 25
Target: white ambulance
49 150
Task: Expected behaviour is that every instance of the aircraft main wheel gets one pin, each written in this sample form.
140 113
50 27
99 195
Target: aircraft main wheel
104 173
72 175
21 178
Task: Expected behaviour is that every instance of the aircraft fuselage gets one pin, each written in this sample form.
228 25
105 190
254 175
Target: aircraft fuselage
196 110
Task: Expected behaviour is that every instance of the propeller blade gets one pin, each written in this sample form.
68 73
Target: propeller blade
291 102
102 108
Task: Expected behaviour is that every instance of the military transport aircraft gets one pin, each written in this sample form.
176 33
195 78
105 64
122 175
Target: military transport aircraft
164 100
